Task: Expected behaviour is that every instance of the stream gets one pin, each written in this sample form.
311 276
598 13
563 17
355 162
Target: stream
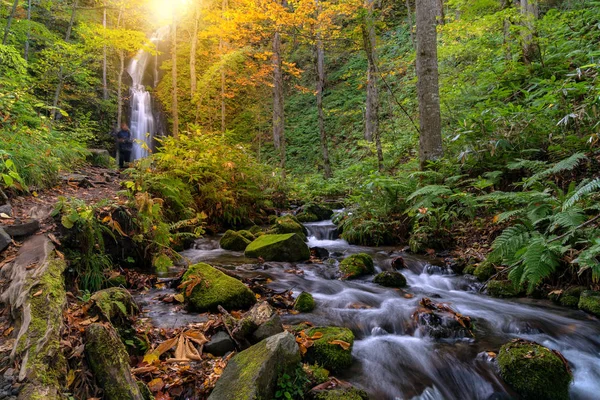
393 360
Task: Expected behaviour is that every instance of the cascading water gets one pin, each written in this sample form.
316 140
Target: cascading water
142 123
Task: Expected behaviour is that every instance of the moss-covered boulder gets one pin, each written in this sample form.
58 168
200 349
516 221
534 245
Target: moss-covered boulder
332 349
313 212
484 271
289 224
341 394
502 289
255 230
252 374
286 247
590 302
109 362
356 265
115 305
234 241
570 297
247 234
304 302
534 371
469 270
391 279
212 288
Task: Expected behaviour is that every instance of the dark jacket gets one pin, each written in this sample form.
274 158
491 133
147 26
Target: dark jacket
127 143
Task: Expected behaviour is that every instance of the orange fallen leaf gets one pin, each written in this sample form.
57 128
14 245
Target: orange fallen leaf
341 343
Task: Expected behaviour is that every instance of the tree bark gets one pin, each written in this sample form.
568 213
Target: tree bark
430 139
104 66
320 87
9 22
222 51
278 111
26 55
61 78
193 80
174 106
529 10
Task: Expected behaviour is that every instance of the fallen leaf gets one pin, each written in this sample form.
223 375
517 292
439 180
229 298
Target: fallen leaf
156 385
341 343
38 293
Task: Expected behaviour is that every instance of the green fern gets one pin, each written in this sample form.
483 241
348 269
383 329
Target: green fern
584 190
509 243
568 164
431 191
588 259
569 219
538 261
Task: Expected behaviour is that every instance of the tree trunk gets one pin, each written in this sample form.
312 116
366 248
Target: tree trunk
26 55
441 14
430 139
222 51
372 103
193 80
61 78
320 87
10 18
174 106
278 112
409 20
529 10
104 67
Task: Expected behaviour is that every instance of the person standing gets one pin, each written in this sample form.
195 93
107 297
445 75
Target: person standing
125 145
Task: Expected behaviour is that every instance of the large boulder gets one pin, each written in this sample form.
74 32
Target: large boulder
109 362
212 288
313 212
286 247
234 241
332 347
590 302
289 224
391 279
534 371
356 265
252 374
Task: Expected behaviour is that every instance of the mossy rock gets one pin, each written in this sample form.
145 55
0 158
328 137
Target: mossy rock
331 356
484 271
533 371
357 265
304 302
216 289
307 217
590 302
342 394
312 212
234 241
391 279
115 305
316 373
502 289
289 224
247 234
255 230
286 247
570 297
469 270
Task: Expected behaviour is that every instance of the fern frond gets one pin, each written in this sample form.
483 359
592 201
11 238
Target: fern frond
540 260
567 164
581 192
569 219
431 191
532 165
509 214
589 259
507 245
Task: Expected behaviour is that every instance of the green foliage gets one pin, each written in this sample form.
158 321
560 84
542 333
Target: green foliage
292 386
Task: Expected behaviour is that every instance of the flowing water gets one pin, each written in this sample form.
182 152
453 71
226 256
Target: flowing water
142 122
396 360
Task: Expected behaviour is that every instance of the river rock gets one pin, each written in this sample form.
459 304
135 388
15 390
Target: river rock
484 271
109 361
502 289
216 289
6 209
285 247
398 263
220 344
252 374
232 240
289 224
332 356
439 321
23 230
391 279
534 371
313 212
304 302
319 252
356 265
5 239
590 302
269 328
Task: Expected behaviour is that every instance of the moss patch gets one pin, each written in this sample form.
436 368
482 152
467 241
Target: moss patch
484 271
590 302
289 224
357 265
115 305
216 289
331 356
570 297
247 234
391 279
304 302
286 247
469 270
534 371
342 394
235 241
502 289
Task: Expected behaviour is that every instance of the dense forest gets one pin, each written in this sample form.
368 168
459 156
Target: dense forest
323 199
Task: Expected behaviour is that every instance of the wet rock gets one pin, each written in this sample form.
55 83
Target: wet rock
115 305
213 288
304 302
332 356
247 234
571 296
534 371
502 289
109 361
269 328
6 209
469 270
313 212
319 252
234 241
391 279
252 374
219 345
484 271
398 263
357 265
255 230
289 224
285 247
5 239
590 302
23 230
439 321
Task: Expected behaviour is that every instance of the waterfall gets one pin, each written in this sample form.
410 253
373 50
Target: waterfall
142 122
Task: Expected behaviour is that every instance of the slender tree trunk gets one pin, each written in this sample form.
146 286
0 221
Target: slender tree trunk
104 66
9 22
529 10
409 20
427 84
174 106
26 55
222 51
193 80
278 111
441 12
320 87
61 78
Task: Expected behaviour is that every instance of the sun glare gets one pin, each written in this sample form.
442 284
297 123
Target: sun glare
163 9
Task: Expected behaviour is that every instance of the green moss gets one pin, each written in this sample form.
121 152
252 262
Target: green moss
247 234
590 302
357 265
289 224
286 247
484 271
145 391
330 356
234 241
391 279
116 305
570 297
255 230
501 289
534 371
469 270
304 302
117 281
217 289
316 373
342 394
307 217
